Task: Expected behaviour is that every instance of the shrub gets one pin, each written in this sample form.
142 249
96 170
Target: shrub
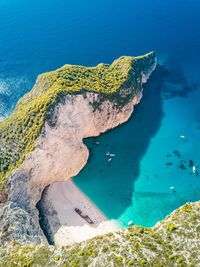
170 226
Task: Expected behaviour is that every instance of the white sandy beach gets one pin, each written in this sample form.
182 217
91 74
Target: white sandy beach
64 197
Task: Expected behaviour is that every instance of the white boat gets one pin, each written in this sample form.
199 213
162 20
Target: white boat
108 154
182 136
171 187
109 159
194 169
112 155
130 223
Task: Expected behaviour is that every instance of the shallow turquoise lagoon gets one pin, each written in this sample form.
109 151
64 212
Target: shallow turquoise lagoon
151 173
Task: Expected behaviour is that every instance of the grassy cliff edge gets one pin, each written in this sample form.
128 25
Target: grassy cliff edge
19 132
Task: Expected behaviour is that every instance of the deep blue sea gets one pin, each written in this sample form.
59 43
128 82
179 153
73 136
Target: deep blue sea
151 174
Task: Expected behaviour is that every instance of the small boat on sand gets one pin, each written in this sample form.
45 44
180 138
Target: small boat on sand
85 217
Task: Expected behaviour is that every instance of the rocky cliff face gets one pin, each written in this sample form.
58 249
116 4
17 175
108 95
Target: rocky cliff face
60 153
174 242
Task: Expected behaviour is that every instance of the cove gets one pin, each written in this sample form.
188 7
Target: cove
151 172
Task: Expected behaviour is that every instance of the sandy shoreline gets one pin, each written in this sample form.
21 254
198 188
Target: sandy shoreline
64 197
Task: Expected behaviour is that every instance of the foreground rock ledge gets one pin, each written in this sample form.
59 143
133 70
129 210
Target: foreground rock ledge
173 242
59 152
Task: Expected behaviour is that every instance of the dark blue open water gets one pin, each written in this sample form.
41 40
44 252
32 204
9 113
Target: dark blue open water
38 36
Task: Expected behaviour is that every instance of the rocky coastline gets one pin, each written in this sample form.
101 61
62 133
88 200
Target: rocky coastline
60 153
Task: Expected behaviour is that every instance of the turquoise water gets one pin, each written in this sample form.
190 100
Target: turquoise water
150 156
38 36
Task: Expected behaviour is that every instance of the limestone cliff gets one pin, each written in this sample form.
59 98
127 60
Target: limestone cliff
56 129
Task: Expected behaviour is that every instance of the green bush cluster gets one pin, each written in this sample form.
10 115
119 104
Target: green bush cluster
19 132
170 226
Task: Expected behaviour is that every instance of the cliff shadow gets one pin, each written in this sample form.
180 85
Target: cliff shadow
115 157
109 180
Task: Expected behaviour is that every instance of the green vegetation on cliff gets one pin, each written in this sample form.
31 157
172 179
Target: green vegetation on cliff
19 132
135 246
